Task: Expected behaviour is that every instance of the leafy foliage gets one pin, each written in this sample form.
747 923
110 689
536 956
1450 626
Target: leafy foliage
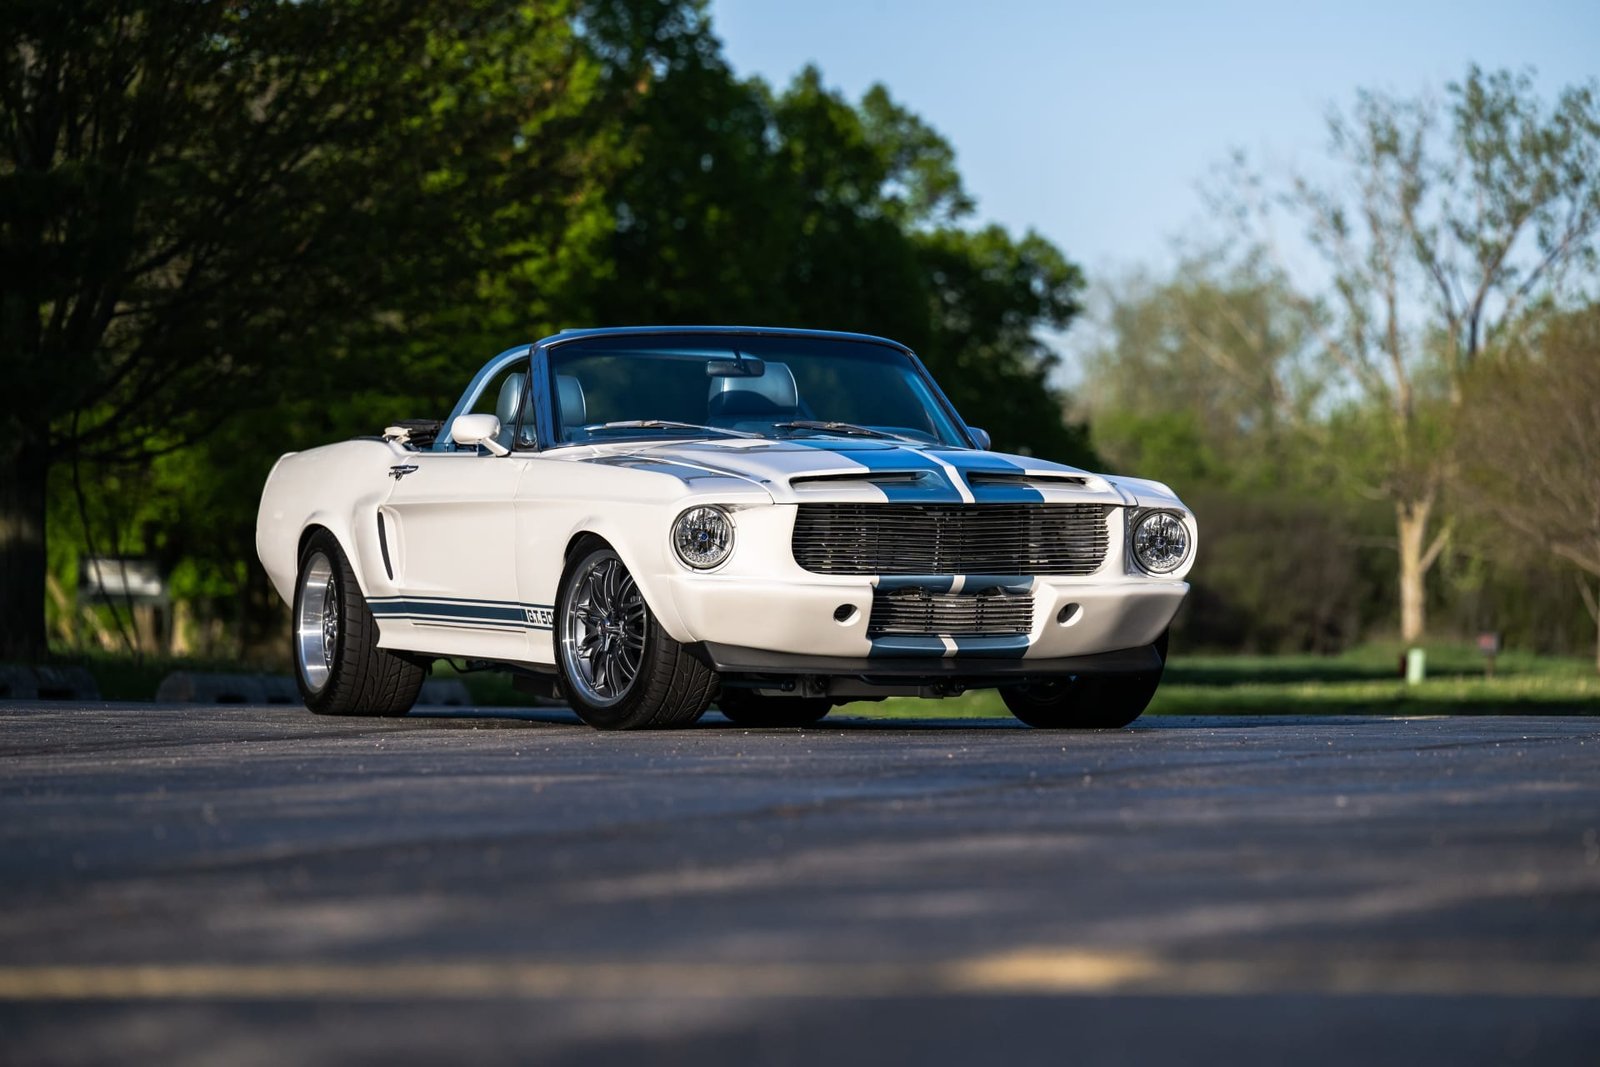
1445 235
230 230
1475 223
1530 447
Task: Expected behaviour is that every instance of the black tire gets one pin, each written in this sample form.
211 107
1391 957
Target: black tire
619 669
1086 702
747 708
343 672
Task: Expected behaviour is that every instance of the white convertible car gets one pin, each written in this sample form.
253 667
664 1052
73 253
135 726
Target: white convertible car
645 521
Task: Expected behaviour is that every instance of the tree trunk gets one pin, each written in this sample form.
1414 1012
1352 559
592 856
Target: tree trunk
22 556
1411 519
1591 603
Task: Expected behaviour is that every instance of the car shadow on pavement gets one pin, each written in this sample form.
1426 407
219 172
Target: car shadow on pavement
560 716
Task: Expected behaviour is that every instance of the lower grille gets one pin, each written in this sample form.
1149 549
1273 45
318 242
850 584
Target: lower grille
916 612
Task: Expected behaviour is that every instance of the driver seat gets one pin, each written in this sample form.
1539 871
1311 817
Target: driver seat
772 397
571 406
509 406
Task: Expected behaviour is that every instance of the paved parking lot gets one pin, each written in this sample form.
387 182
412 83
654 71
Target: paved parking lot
256 885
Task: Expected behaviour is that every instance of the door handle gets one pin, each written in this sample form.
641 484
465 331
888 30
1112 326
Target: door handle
400 470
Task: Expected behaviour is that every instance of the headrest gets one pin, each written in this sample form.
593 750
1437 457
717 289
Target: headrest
569 395
774 393
510 402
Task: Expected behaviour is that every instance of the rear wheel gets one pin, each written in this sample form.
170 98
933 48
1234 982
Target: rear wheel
619 669
747 708
338 664
1086 702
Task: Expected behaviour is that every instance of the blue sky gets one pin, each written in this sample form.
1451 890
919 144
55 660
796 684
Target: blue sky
1094 123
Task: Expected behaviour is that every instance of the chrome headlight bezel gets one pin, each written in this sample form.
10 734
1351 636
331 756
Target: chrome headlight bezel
1153 532
702 536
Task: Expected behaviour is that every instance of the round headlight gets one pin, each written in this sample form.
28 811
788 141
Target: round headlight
703 537
1160 542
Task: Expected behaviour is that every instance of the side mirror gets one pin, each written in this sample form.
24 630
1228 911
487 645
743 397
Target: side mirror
980 438
471 431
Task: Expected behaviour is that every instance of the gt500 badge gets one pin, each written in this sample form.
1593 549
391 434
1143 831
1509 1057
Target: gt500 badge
539 616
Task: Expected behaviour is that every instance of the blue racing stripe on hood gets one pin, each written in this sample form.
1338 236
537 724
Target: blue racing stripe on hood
1005 494
687 473
970 463
934 487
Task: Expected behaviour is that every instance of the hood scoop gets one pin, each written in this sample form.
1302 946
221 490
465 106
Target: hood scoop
898 479
1023 480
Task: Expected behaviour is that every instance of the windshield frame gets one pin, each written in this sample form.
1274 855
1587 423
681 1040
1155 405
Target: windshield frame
720 336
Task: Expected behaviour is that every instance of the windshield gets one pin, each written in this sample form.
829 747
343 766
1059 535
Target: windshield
742 385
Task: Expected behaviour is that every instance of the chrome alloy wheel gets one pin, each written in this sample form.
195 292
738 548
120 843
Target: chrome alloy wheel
602 632
317 621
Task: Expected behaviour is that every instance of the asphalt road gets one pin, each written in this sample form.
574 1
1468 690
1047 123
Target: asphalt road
247 885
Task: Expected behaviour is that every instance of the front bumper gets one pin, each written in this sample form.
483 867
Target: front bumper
973 671
800 619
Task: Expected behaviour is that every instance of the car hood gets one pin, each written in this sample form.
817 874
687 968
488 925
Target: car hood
869 470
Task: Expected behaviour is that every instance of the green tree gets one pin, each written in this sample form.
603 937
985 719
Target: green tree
1443 239
365 199
1529 447
1205 379
801 208
199 202
1207 374
990 294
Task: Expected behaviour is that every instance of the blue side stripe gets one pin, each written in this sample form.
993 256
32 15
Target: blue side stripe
455 611
465 624
498 613
451 600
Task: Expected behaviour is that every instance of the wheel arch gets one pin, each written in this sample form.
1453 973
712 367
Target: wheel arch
316 527
581 542
352 553
645 570
311 530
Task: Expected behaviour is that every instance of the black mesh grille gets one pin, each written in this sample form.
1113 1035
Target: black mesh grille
917 612
1067 539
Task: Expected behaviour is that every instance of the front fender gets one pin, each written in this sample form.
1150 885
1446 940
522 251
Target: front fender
641 542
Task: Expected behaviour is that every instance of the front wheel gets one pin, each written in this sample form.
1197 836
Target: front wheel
745 708
619 669
1087 702
338 664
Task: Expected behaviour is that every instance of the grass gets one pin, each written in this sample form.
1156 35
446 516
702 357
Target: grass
1365 680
